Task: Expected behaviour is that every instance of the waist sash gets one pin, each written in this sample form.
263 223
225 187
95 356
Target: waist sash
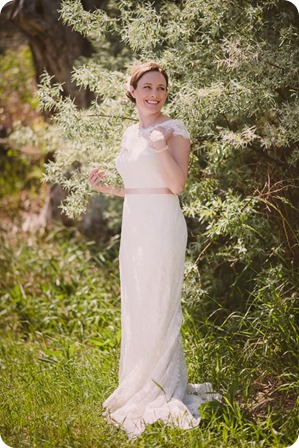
148 191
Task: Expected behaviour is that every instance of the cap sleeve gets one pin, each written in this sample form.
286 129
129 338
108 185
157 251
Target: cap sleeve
178 128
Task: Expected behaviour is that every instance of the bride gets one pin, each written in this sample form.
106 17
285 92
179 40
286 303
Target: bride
153 163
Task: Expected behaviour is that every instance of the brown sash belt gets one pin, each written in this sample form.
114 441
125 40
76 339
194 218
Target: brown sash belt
148 191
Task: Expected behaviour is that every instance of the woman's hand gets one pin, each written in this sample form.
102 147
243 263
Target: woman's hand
159 137
95 177
96 180
173 152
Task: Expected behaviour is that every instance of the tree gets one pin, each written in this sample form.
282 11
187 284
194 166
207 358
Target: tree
234 72
55 47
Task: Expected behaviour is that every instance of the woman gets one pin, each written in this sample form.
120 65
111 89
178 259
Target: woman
153 163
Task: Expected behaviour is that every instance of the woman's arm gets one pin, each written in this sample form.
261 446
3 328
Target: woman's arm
97 175
174 161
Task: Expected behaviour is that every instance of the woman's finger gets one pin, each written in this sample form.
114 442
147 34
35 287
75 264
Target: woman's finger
96 176
92 178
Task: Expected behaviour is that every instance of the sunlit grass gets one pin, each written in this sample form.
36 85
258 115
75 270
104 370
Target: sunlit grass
60 340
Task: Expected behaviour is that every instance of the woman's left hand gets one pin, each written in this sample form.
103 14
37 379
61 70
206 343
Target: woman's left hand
159 137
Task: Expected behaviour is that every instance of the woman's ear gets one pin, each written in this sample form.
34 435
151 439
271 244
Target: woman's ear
132 90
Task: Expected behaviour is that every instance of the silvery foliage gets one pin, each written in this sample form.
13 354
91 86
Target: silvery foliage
233 68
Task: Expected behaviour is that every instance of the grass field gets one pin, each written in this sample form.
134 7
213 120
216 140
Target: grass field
60 339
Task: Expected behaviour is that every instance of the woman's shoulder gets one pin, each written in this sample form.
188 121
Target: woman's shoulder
177 127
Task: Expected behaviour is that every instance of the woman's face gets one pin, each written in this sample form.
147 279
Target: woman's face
151 92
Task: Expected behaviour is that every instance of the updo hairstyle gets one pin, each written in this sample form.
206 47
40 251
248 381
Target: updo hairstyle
138 71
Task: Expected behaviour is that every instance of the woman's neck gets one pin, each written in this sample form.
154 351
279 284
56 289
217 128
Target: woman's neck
146 121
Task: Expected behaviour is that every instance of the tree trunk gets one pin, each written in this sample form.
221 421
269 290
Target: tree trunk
55 47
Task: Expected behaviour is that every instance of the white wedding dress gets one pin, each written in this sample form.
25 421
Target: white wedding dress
152 375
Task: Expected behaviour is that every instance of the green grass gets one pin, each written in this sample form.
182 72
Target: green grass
59 351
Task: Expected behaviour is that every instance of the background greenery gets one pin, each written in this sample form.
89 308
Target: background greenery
234 83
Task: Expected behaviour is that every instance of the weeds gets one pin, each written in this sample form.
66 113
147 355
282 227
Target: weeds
59 351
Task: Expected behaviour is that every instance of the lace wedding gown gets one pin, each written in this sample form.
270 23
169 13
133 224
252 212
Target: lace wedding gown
152 375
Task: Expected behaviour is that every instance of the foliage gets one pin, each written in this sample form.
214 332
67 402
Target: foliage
17 87
17 74
65 297
233 69
21 156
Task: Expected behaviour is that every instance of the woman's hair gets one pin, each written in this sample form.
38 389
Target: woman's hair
138 71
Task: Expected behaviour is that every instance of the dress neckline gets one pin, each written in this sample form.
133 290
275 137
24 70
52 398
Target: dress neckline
153 125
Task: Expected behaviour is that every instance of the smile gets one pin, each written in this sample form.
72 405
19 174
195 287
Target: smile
152 102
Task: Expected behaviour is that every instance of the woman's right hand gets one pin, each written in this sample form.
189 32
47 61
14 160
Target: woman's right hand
95 177
96 180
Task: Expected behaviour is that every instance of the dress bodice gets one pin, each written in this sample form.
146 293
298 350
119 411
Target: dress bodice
137 163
